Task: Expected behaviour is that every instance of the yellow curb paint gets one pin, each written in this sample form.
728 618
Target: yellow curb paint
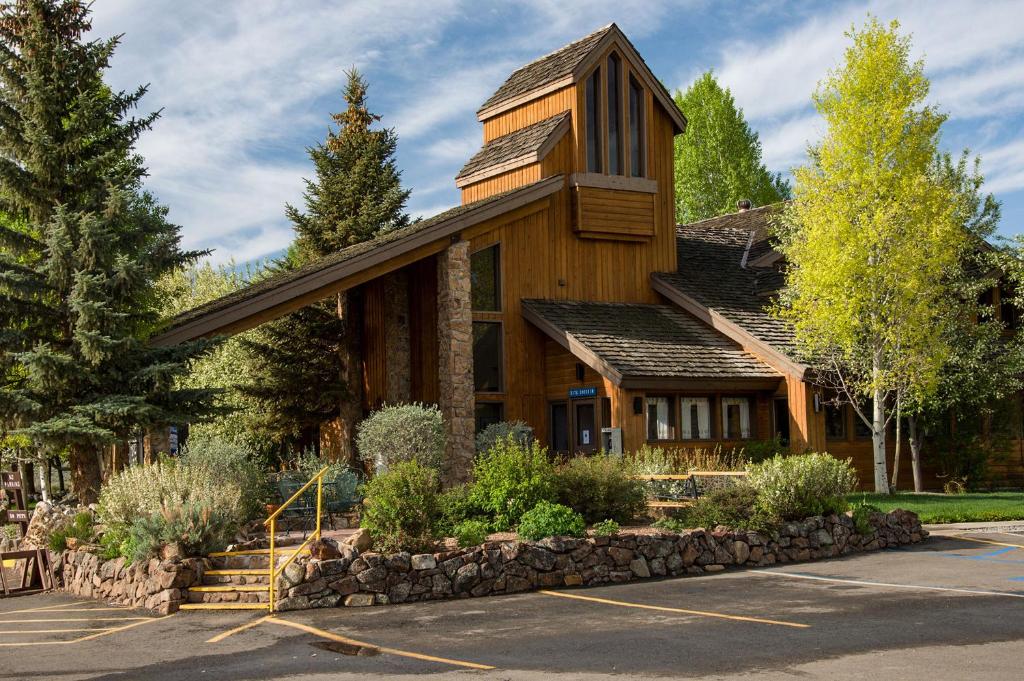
683 611
390 651
231 632
984 541
919 587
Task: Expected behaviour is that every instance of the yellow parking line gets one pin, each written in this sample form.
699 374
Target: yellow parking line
145 620
83 610
46 607
985 541
390 651
683 611
78 619
860 582
48 631
231 632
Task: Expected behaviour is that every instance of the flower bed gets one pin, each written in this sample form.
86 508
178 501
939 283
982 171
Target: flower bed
495 568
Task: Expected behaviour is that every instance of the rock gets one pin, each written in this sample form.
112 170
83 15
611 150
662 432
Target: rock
399 562
658 567
334 566
293 603
423 561
308 588
823 537
293 575
172 551
360 541
400 592
358 600
714 568
572 579
620 555
328 601
538 558
345 585
561 544
324 549
639 567
741 552
451 566
467 577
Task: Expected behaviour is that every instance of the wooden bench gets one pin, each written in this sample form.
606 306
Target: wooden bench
691 478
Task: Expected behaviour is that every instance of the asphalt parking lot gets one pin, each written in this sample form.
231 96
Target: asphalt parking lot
951 608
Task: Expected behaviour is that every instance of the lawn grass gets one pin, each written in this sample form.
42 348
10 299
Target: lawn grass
952 508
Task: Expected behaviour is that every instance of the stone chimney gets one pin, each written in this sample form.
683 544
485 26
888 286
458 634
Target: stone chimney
743 205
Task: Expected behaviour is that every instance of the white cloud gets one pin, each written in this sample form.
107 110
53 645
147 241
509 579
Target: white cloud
1004 167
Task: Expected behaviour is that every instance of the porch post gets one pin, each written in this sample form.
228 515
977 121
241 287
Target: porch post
455 365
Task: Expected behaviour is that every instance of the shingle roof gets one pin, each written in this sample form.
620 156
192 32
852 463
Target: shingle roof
412 231
710 254
649 341
549 68
523 144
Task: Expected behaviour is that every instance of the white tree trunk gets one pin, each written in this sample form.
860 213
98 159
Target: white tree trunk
896 455
44 479
878 441
915 453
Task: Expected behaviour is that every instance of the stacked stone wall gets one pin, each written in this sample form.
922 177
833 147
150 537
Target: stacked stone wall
156 585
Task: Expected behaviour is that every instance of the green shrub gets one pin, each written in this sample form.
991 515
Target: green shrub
605 528
402 508
511 478
224 460
735 507
657 461
115 542
81 528
496 432
862 511
796 487
196 528
669 524
141 491
551 520
600 487
756 451
457 506
471 533
404 432
10 531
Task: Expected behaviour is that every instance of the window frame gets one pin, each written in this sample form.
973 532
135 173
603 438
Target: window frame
593 121
673 417
501 356
499 284
614 112
842 420
640 144
724 402
709 400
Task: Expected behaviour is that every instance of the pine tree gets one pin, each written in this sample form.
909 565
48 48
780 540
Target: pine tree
718 160
81 245
306 361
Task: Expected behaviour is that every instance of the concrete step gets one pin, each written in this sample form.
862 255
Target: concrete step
233 595
257 559
236 577
224 606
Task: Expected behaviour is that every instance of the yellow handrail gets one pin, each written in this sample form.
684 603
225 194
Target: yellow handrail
272 570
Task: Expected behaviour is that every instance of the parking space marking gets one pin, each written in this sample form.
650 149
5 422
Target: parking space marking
78 619
702 613
859 582
330 636
231 632
46 607
47 631
984 541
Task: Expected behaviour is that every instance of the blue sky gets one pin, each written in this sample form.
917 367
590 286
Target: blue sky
245 87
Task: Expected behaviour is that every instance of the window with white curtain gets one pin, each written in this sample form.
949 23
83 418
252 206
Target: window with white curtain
696 423
735 418
661 418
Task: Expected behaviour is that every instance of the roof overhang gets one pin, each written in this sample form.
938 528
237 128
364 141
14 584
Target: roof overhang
772 357
298 291
526 159
616 36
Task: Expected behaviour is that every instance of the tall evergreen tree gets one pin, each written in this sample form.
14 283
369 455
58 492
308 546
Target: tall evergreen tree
80 247
307 361
718 160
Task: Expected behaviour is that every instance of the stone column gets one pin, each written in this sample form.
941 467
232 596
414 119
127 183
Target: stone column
396 337
455 365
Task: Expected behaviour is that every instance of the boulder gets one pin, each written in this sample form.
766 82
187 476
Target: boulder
360 541
324 549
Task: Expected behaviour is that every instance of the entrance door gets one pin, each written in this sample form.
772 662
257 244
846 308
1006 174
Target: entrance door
587 439
559 427
781 409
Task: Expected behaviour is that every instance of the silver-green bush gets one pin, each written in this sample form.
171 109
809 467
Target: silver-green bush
500 431
404 432
796 487
223 459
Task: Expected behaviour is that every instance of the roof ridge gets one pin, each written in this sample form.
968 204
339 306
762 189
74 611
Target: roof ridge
725 215
564 47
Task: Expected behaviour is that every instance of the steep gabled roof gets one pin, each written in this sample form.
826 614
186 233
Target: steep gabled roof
566 66
276 295
715 281
640 345
514 150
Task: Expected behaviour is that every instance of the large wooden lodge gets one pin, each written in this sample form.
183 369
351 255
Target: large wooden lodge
562 292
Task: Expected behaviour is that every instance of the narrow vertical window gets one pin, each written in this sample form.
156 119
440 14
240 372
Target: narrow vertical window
661 418
485 277
735 418
592 95
487 356
614 115
636 128
696 418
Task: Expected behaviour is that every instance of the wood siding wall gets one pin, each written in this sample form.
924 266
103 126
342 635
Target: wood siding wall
520 177
531 112
613 214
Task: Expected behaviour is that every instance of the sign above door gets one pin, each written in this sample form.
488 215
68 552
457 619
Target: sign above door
582 392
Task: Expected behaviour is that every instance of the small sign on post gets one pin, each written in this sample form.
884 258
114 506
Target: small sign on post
11 481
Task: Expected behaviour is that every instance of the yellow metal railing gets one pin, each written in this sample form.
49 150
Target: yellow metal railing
271 522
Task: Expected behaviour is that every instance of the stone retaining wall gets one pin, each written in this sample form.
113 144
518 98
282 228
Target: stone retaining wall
510 567
157 585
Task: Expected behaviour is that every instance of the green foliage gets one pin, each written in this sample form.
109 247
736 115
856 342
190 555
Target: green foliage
756 451
511 478
197 528
605 528
669 524
81 247
501 430
796 487
735 506
600 487
221 459
356 195
718 160
551 520
456 506
147 489
862 511
10 531
874 235
116 542
402 508
471 533
659 461
81 528
967 507
403 432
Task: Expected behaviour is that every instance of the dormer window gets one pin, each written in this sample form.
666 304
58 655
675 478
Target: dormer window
593 115
614 114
